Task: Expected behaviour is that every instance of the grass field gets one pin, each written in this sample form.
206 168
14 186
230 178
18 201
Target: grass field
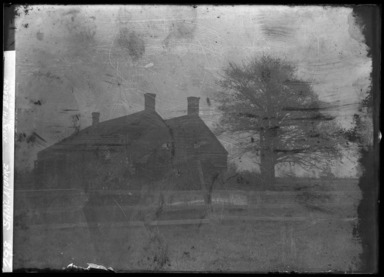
301 225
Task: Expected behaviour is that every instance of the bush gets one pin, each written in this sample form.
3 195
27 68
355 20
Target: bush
243 179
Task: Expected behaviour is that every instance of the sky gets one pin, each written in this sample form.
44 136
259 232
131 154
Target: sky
75 60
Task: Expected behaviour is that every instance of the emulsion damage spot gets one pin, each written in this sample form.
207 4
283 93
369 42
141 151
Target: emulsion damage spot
132 43
39 35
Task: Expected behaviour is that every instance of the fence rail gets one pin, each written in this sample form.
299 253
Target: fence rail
128 224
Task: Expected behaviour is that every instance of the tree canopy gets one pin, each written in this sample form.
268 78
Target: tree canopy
280 113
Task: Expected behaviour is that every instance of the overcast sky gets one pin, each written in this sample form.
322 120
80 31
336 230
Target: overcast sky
81 59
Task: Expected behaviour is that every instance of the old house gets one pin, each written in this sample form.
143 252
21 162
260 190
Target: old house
136 149
115 161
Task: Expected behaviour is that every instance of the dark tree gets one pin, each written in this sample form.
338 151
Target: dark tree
280 113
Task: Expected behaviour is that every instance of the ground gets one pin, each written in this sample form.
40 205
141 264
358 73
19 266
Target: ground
301 226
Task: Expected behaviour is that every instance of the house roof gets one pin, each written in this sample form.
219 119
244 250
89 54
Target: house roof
130 128
192 129
142 133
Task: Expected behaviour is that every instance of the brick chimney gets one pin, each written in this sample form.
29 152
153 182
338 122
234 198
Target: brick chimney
95 119
150 101
193 105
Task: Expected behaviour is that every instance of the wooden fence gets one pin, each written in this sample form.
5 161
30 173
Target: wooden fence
63 208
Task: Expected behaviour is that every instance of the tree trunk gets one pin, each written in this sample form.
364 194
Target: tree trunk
267 168
268 158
